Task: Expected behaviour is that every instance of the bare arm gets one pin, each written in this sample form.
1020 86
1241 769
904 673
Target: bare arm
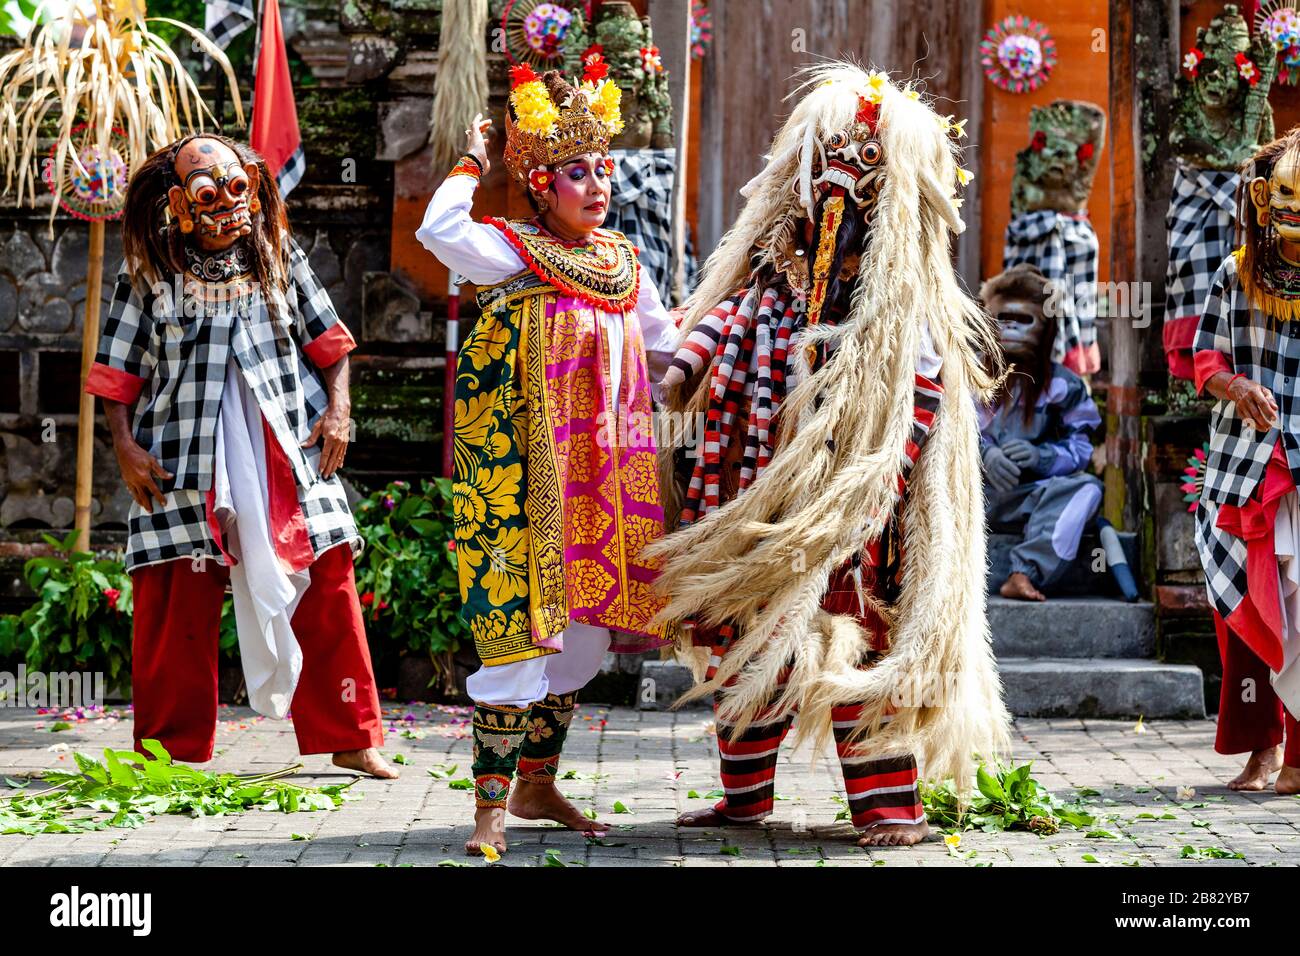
138 467
335 426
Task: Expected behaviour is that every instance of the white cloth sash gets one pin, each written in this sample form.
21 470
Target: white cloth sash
265 593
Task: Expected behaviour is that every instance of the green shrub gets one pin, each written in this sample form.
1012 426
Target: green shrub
81 619
406 575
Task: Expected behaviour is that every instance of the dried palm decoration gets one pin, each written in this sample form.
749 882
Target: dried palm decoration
97 63
461 89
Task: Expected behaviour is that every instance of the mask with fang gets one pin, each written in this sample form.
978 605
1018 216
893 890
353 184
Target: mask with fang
215 199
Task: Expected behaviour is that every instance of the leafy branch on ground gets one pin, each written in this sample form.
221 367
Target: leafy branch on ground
125 789
1006 798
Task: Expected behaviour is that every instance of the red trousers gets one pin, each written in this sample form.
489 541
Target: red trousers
174 659
1251 717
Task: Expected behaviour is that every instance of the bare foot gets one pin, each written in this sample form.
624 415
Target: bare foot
489 830
894 834
1288 781
365 761
708 817
543 801
1259 768
1018 587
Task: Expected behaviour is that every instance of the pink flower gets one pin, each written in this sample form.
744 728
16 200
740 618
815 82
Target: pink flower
112 594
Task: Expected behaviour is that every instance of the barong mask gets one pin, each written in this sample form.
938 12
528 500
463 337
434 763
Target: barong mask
1056 170
216 193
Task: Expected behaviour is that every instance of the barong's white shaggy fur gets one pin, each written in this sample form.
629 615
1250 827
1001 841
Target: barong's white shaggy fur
764 559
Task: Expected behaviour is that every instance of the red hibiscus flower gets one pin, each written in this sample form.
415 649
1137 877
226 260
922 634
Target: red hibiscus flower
1039 142
1084 152
112 594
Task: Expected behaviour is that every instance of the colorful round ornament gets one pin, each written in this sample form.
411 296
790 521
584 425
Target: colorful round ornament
1018 54
535 30
701 29
1278 21
94 181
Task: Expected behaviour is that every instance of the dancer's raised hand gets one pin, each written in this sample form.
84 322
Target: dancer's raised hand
475 144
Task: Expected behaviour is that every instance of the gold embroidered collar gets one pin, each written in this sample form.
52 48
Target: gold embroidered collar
604 272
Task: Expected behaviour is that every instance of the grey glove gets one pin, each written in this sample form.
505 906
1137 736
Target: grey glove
1002 473
1021 452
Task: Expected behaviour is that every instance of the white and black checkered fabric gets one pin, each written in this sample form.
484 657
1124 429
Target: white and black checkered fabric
1065 249
182 353
1200 225
223 20
641 207
292 171
1265 351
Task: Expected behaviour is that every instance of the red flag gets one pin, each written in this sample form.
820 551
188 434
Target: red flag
275 117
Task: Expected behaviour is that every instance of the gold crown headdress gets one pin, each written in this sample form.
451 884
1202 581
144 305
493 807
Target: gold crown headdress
548 121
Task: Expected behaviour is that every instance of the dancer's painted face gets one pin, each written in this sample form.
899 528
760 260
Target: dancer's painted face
579 194
1277 199
215 194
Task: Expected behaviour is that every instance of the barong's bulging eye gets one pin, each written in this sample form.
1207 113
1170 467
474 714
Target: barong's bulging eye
871 154
238 185
838 140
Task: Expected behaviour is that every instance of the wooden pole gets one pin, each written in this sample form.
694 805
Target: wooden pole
86 411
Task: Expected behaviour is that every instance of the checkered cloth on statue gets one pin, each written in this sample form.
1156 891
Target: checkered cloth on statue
1065 248
641 207
1200 225
151 349
1228 340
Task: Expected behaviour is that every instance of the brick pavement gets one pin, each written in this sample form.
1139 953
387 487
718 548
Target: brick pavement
654 765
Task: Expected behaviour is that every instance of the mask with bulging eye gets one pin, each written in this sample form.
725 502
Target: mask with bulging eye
219 197
850 159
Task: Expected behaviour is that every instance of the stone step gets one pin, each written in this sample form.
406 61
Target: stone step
1073 627
1080 579
1043 687
1101 687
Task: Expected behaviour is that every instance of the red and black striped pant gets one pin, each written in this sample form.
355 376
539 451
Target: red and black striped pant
879 790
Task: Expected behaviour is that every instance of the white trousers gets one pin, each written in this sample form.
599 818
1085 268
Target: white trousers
526 682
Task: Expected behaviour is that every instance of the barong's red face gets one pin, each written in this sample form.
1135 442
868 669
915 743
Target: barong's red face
1277 198
216 192
580 193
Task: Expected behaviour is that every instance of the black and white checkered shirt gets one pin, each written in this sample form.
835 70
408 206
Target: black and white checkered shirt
1065 249
1233 337
1199 224
641 207
170 361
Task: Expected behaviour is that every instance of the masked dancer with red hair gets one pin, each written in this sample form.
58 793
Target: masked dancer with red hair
223 372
